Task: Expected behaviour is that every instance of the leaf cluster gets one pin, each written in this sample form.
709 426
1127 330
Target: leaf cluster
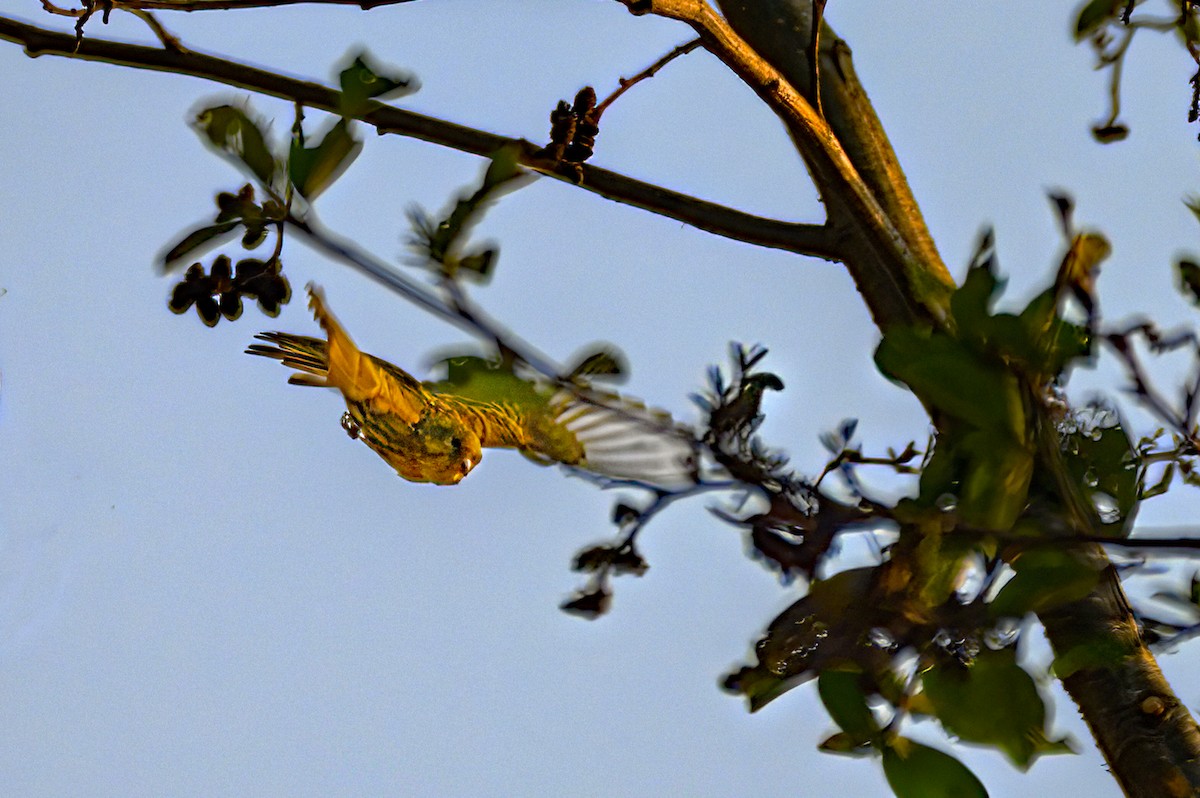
288 179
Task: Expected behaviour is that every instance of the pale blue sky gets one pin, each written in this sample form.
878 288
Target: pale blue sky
206 589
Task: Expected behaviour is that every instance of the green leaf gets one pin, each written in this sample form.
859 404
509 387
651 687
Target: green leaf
363 81
478 265
842 743
991 701
195 242
314 169
995 479
1102 461
914 770
759 686
952 378
1107 134
1094 14
604 362
442 241
842 694
231 131
1188 273
823 627
971 303
1045 577
1040 339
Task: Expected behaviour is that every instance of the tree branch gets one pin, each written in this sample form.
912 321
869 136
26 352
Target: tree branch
806 239
228 5
900 284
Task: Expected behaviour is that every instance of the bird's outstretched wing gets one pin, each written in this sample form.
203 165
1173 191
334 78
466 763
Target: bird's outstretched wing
623 439
434 432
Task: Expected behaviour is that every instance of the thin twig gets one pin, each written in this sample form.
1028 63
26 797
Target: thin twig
648 72
168 39
1116 62
50 8
460 312
352 255
1142 387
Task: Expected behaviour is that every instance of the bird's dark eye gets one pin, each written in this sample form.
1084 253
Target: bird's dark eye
456 443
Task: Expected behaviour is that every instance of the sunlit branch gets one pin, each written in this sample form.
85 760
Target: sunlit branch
808 239
897 284
168 39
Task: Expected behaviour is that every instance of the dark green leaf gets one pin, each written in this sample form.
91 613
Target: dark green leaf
995 479
1188 273
1045 577
194 243
845 701
917 771
479 265
842 743
605 362
758 685
952 378
971 303
1094 14
1103 462
313 169
1042 341
234 133
441 242
589 604
991 701
362 81
1107 134
823 627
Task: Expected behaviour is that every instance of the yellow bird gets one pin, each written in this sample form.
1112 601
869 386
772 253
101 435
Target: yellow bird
432 432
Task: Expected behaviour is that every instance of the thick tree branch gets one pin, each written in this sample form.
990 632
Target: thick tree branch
1144 731
808 239
899 283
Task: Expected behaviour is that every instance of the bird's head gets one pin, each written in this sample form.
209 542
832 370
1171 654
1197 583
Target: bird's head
437 452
